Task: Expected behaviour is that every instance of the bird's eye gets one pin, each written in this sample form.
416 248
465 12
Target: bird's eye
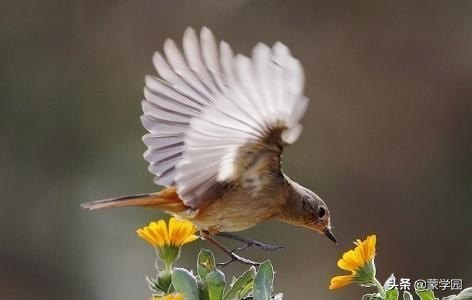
321 212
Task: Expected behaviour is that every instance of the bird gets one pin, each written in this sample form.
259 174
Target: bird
217 125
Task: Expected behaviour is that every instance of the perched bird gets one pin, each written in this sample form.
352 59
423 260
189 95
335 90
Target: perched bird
217 126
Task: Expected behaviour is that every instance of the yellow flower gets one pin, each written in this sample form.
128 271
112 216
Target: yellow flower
180 232
168 240
170 297
360 262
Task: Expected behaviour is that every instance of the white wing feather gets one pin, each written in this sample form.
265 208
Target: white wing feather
210 103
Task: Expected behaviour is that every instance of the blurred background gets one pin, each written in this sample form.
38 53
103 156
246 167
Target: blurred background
387 140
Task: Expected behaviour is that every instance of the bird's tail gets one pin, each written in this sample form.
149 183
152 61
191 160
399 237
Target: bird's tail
166 200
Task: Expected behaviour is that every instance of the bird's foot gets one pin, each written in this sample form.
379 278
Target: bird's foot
249 243
237 258
233 257
259 245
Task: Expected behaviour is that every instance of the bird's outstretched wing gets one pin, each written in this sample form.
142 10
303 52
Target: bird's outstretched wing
214 117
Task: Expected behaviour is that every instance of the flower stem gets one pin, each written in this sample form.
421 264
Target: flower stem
379 287
168 267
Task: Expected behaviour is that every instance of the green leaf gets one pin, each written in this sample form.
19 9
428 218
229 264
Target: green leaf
185 283
263 283
241 286
407 295
216 284
464 295
426 295
374 296
203 292
161 283
389 283
247 290
153 285
205 263
392 294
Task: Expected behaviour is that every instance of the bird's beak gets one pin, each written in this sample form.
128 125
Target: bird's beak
330 235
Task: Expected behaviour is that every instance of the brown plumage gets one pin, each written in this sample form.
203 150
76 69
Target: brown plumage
237 209
217 126
166 200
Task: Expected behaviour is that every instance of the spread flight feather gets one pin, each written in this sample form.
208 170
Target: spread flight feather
214 118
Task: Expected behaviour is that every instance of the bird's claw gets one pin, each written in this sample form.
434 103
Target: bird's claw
258 245
242 248
249 243
237 258
232 253
267 247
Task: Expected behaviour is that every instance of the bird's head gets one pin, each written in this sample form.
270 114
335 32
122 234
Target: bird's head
318 216
306 209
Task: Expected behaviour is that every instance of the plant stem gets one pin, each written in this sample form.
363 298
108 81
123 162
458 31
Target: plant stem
168 267
379 287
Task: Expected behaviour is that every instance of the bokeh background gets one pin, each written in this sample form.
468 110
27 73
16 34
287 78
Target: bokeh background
387 139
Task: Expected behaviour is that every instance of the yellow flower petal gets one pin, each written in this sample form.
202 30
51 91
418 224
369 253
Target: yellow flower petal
340 281
144 235
177 233
162 230
372 240
345 265
154 230
186 231
173 228
351 259
170 297
189 239
359 254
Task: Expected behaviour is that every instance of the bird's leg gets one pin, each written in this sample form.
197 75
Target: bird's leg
233 257
249 243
